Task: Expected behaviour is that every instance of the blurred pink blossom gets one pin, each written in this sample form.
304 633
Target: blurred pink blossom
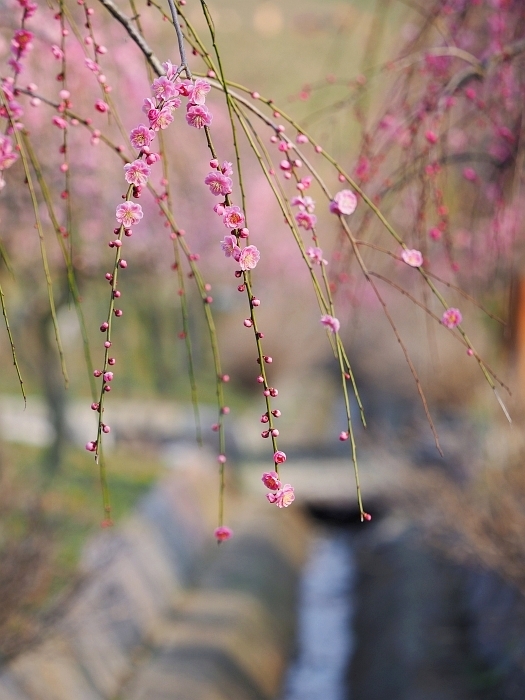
412 257
451 318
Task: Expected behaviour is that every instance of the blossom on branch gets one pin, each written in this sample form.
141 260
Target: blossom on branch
316 255
137 173
233 217
141 136
223 533
218 183
283 498
129 213
451 318
249 258
198 116
413 257
344 203
230 247
331 323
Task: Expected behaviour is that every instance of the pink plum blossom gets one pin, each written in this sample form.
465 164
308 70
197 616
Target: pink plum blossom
218 183
344 203
279 457
200 89
331 323
230 247
233 217
306 220
249 258
129 213
170 69
60 122
227 168
316 256
283 498
7 155
412 257
22 41
141 136
271 480
198 116
137 173
223 533
164 89
160 119
451 318
304 203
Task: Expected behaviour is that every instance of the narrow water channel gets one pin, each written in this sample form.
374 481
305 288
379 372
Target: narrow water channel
324 636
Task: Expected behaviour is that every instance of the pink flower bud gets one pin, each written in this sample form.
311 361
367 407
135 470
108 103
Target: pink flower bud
271 480
223 533
108 376
91 446
279 457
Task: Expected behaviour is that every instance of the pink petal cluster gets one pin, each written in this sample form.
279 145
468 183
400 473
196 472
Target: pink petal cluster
306 220
160 118
451 318
198 116
21 42
223 533
282 498
412 257
230 247
137 173
129 213
344 203
164 89
218 183
304 203
279 457
141 137
316 256
233 217
249 258
271 481
331 323
198 93
7 155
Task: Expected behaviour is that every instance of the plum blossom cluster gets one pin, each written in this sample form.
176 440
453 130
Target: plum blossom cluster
8 156
166 91
22 41
280 495
305 216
